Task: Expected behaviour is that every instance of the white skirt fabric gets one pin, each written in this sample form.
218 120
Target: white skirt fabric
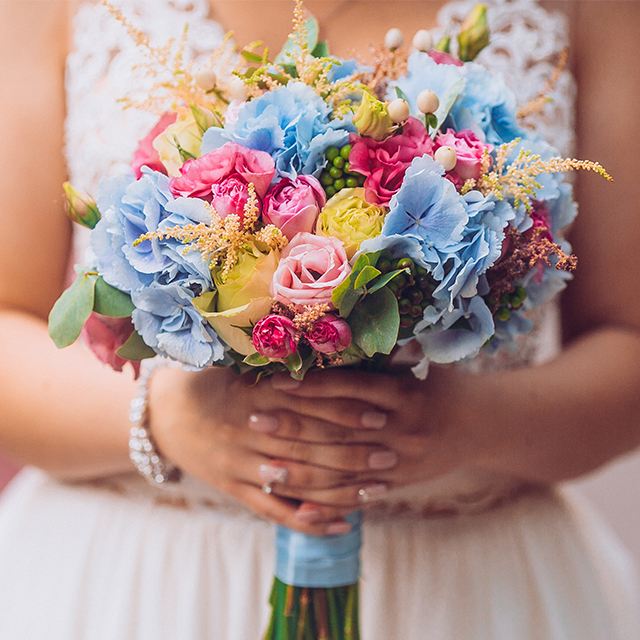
85 563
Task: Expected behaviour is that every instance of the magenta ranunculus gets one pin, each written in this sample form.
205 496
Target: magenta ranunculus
275 337
385 163
310 268
330 335
104 336
441 57
198 175
293 205
146 155
469 150
230 196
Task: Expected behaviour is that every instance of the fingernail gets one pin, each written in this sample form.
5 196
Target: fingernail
308 516
263 423
284 383
373 419
383 460
337 528
372 492
271 473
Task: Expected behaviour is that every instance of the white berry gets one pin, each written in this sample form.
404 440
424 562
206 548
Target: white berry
428 101
206 79
393 39
238 89
447 157
423 40
398 110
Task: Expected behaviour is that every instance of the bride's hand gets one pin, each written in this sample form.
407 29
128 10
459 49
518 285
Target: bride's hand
237 437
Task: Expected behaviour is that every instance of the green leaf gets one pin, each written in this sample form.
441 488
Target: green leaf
346 295
112 302
375 323
72 309
386 279
368 274
321 50
431 120
249 56
446 102
402 95
444 44
293 362
135 348
256 360
291 48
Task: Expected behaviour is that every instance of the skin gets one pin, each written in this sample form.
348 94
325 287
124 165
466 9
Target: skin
542 424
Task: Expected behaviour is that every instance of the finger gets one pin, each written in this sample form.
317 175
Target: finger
353 496
298 475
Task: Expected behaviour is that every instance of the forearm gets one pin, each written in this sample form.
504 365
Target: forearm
62 411
567 417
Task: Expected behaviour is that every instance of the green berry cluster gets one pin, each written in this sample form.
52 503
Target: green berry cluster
507 303
337 174
413 290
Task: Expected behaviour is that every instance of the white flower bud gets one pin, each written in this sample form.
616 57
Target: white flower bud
393 39
423 40
238 89
398 110
206 79
428 101
447 157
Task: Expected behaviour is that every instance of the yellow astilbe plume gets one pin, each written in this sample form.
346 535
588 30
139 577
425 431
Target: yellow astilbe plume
537 104
311 313
221 240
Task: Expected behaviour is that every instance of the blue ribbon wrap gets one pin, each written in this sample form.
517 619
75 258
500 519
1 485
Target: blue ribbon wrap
320 562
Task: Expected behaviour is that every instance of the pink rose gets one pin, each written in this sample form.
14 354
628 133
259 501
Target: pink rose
104 336
329 335
541 218
146 155
198 175
310 268
275 337
385 163
293 205
469 150
441 57
230 196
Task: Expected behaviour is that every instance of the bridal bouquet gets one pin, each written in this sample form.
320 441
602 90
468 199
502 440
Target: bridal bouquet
306 212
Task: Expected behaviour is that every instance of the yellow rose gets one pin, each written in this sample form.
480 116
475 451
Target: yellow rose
179 142
240 299
350 218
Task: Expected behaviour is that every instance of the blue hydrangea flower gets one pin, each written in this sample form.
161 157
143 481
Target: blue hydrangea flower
291 123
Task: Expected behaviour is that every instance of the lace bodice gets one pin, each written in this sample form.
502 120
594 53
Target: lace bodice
101 138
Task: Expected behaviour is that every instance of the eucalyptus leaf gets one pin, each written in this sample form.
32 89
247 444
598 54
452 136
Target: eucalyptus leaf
72 310
256 360
109 301
293 362
346 295
321 50
447 100
136 349
402 95
368 274
386 279
375 323
291 48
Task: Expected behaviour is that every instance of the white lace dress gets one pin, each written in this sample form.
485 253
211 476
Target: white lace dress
469 557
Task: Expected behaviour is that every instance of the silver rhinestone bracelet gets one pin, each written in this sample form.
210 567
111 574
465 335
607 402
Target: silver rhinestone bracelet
142 450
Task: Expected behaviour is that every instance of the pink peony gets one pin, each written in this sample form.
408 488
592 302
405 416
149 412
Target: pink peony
329 335
198 175
104 336
469 150
293 205
385 163
275 337
441 57
146 155
230 196
310 268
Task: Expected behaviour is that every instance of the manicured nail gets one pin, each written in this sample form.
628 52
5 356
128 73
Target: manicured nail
383 460
309 516
271 473
373 419
263 423
337 528
284 383
372 492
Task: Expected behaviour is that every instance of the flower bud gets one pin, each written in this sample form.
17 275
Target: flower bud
423 40
330 335
206 79
372 118
275 337
474 34
428 101
447 157
393 39
80 207
238 89
398 110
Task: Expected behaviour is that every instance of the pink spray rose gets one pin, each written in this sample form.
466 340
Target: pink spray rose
146 155
541 218
469 150
310 268
104 336
275 337
329 335
230 196
385 163
198 175
441 57
293 205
